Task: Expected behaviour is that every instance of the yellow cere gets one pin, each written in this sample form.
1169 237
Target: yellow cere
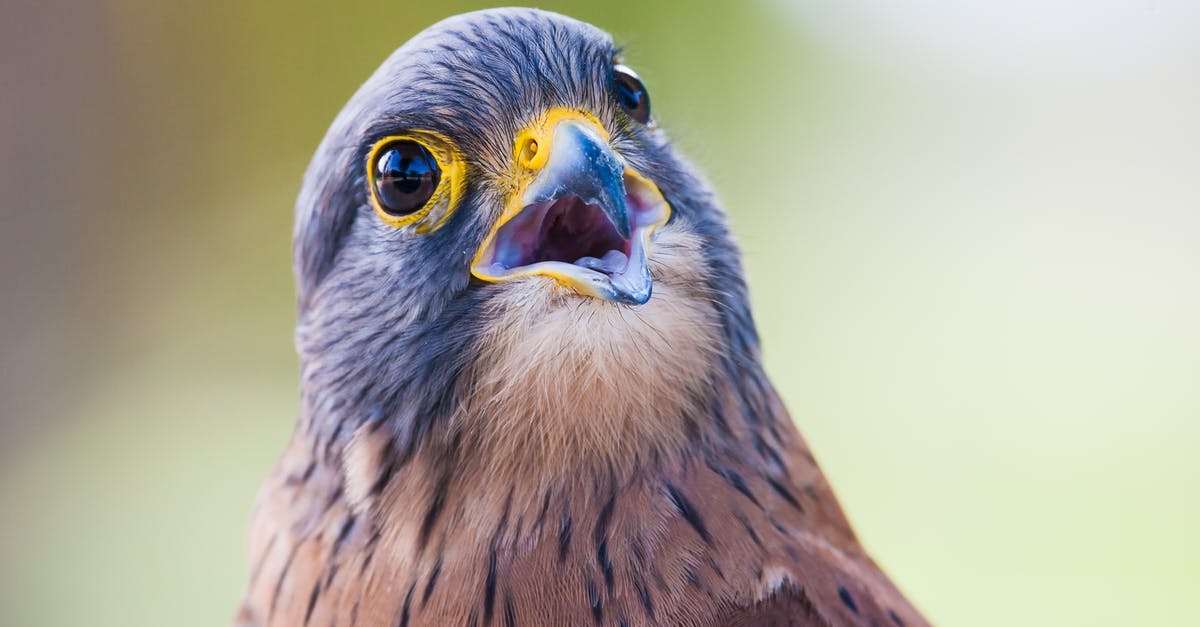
531 150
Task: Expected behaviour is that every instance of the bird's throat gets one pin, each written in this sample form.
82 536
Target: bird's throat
559 383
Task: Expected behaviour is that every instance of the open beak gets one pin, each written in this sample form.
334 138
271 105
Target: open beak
579 215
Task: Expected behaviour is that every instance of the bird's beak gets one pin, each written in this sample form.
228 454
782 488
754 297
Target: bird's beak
578 214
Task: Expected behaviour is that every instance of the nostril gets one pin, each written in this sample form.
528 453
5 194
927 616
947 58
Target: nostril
528 150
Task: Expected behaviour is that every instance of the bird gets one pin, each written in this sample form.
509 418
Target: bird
531 387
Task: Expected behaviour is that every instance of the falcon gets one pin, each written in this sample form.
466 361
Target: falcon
531 386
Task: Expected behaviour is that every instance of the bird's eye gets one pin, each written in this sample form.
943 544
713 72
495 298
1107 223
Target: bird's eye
406 175
631 93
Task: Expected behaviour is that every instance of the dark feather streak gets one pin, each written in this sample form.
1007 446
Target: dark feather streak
688 511
785 493
404 613
847 599
489 589
312 600
595 601
433 577
564 539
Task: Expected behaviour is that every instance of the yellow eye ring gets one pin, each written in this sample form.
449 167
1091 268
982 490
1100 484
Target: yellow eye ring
449 176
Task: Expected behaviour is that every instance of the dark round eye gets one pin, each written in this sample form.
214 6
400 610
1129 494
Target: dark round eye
631 93
406 176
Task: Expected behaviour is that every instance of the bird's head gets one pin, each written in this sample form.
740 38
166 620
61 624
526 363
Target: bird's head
496 215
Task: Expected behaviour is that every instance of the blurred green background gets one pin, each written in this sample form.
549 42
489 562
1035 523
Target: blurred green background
972 232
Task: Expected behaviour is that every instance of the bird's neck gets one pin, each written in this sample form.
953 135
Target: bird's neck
563 389
549 388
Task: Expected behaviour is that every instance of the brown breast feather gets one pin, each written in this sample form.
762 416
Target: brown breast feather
725 535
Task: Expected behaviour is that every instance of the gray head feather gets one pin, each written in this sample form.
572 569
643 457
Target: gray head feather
388 319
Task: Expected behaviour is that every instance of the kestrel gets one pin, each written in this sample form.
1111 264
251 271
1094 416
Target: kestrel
532 391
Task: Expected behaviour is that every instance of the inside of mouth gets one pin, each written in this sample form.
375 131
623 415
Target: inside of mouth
565 230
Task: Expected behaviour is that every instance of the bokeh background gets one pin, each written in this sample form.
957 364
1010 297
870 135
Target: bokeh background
972 231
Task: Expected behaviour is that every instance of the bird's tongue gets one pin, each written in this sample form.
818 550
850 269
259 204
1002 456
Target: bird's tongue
612 262
572 231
